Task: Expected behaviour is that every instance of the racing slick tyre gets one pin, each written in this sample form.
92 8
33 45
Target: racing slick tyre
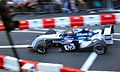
50 31
49 42
41 47
100 49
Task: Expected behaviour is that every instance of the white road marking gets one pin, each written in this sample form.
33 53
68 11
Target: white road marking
16 46
116 39
89 61
116 34
48 29
41 28
100 71
28 31
25 31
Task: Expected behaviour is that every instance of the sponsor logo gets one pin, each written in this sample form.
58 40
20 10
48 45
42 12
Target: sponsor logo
108 37
69 47
84 34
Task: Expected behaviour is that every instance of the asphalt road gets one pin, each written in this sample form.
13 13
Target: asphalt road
108 62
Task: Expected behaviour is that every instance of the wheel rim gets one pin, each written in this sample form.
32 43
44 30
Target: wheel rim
41 50
99 49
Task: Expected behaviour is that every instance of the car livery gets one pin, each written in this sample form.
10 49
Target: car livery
94 40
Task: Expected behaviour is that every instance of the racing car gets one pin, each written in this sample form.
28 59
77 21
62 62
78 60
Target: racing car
95 40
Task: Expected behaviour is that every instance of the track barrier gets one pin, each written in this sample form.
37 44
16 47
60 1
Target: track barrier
2 61
68 69
86 20
49 67
11 64
28 68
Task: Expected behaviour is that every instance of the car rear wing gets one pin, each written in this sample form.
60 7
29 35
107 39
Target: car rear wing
108 34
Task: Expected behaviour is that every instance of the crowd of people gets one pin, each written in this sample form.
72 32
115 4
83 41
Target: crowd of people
67 6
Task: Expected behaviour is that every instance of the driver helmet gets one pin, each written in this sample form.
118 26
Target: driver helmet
75 27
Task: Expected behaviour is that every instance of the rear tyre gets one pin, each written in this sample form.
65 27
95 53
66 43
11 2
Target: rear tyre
49 42
100 49
50 31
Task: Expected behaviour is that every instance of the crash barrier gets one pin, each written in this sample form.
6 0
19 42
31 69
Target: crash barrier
86 20
11 64
2 61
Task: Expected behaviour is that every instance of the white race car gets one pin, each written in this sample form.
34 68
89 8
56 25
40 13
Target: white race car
95 40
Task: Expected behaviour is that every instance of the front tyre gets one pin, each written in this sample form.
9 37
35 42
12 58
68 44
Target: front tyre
41 47
100 49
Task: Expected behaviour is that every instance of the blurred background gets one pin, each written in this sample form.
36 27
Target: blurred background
63 6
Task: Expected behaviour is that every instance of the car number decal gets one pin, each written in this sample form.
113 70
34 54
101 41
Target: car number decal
69 47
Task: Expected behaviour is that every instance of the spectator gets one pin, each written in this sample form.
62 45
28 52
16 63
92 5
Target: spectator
31 3
27 5
59 4
82 5
94 6
17 1
116 4
66 6
97 4
77 5
73 5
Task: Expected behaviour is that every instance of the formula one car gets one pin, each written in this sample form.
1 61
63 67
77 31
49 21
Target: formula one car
95 40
